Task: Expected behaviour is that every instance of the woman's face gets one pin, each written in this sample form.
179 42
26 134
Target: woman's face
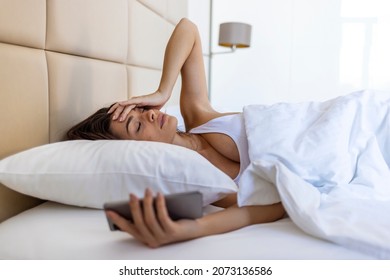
147 125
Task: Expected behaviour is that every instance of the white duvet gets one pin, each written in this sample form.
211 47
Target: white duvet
328 162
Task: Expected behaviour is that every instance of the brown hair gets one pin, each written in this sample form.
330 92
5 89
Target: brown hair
95 127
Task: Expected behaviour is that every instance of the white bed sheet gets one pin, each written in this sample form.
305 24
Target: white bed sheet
56 231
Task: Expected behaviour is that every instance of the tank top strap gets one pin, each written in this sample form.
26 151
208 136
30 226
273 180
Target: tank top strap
234 127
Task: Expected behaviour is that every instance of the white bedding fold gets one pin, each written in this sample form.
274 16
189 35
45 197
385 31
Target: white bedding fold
328 162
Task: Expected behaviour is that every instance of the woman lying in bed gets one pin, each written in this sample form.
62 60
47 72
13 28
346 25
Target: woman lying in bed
220 138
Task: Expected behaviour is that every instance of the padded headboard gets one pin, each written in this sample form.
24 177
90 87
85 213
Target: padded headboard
61 60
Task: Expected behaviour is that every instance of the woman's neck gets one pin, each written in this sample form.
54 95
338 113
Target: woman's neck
188 140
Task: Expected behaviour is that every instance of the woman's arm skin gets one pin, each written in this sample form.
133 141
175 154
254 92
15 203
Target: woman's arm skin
177 50
227 201
155 228
183 54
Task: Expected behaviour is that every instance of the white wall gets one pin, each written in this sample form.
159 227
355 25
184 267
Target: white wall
301 49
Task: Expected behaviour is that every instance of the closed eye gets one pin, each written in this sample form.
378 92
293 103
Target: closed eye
128 123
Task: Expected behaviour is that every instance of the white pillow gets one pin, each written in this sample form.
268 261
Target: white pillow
90 173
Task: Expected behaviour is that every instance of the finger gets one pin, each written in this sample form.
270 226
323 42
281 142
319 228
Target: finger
126 110
113 108
138 219
123 224
118 111
150 216
162 212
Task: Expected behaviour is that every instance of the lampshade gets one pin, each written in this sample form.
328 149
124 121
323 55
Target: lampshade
235 34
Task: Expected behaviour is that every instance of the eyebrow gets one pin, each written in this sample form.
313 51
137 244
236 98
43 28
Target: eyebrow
128 122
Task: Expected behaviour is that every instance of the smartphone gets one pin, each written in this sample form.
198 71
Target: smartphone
186 205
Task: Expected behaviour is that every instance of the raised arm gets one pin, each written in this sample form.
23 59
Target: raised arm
183 54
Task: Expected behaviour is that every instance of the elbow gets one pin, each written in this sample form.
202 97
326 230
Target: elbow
185 21
188 24
278 213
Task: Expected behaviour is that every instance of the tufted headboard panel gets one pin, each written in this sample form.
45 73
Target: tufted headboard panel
61 60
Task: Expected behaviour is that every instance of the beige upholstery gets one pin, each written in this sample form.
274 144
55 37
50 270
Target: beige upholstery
23 22
61 60
72 80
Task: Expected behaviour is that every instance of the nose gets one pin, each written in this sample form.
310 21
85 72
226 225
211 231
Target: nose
150 115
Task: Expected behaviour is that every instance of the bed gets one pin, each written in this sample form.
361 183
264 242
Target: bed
60 61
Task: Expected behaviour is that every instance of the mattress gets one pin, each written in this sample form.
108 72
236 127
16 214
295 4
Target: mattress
62 232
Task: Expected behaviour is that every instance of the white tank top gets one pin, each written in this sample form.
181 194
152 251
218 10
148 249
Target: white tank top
232 126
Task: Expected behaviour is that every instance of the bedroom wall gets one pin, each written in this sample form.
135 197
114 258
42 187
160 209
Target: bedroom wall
301 49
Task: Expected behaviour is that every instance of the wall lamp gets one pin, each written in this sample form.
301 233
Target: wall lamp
233 35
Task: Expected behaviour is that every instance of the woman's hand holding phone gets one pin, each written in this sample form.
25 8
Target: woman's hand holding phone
152 224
